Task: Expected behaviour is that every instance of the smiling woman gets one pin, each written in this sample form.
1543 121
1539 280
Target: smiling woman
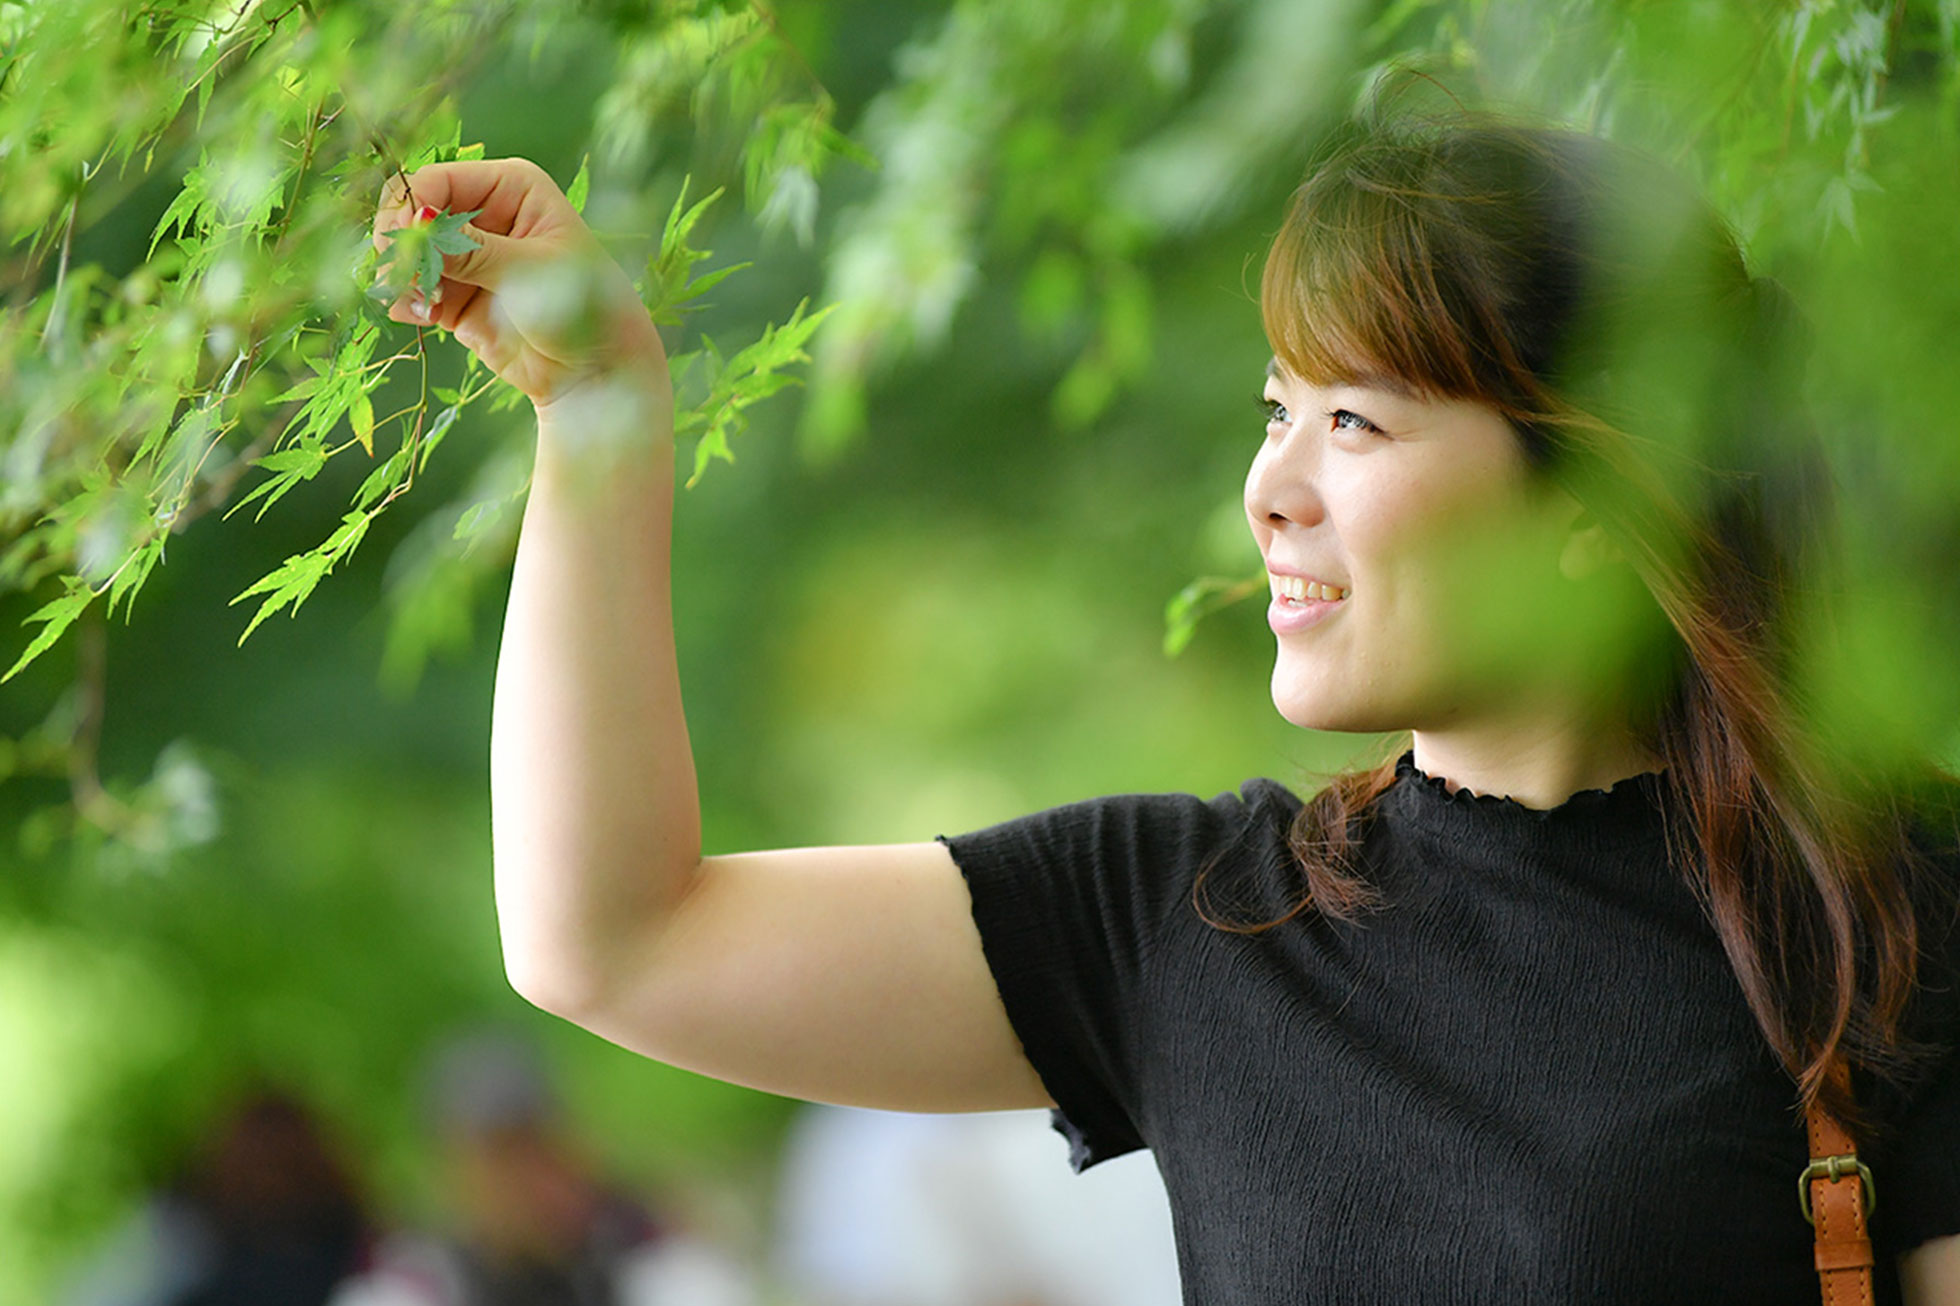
1518 376
1532 490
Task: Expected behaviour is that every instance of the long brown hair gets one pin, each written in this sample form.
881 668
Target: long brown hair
1591 297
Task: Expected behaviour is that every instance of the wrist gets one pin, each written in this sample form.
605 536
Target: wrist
610 421
636 393
639 379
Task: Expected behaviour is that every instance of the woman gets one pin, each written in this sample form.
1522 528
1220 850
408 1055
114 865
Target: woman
1530 1009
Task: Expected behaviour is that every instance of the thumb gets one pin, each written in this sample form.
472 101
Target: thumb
489 263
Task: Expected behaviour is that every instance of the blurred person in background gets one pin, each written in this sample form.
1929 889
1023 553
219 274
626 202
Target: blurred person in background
266 1213
885 1208
535 1221
1536 506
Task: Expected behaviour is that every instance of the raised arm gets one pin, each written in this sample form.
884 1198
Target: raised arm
840 974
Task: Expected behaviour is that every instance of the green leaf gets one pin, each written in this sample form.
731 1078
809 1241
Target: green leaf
669 270
399 270
711 446
293 580
290 583
433 436
1198 600
446 233
134 571
323 412
360 416
703 283
56 617
413 259
428 270
382 479
299 462
444 141
751 376
480 518
193 423
680 222
581 187
178 215
303 390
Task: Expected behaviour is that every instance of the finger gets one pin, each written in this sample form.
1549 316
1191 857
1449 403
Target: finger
482 330
405 315
476 331
513 195
452 301
416 309
488 263
413 310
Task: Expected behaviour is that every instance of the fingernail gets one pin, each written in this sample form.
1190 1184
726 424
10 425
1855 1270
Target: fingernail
418 307
428 214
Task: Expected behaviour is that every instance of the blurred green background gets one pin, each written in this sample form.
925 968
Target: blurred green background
929 594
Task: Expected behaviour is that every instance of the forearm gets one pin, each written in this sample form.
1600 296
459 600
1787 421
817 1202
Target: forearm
595 815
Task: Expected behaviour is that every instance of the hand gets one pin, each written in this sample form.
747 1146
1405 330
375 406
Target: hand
539 302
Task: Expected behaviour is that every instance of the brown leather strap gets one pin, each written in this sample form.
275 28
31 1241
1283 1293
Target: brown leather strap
1839 1192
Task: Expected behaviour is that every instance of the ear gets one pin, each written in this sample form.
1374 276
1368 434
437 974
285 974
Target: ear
1587 547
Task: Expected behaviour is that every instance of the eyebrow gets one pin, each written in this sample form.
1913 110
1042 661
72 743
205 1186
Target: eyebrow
1382 381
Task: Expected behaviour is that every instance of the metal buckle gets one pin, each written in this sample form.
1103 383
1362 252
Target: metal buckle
1835 1168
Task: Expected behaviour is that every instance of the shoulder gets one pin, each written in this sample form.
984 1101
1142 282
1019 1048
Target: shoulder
1119 868
1137 830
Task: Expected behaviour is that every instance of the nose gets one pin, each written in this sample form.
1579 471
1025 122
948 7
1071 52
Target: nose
1280 486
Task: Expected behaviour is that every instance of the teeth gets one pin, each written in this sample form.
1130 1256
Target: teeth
1299 589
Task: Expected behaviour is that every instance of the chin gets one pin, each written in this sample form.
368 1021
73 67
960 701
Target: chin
1308 716
1318 702
1313 707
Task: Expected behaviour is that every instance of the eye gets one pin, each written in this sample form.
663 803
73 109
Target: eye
1274 410
1346 419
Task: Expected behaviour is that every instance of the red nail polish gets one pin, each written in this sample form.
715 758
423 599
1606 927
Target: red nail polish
427 214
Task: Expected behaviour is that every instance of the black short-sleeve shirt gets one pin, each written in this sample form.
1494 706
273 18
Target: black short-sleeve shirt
1531 1075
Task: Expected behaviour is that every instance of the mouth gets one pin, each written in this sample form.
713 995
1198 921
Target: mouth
1299 590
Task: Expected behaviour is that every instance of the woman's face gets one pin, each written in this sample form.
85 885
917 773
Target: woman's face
1443 547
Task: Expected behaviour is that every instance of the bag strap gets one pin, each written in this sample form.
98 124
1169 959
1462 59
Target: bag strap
1837 1195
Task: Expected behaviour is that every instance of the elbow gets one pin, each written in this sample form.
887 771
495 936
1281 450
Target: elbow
553 981
581 955
549 989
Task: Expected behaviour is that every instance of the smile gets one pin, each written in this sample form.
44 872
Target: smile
1299 602
1298 589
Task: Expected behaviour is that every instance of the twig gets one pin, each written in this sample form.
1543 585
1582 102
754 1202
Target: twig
93 803
61 269
414 442
768 17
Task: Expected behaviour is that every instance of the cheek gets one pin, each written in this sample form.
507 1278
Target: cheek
1379 524
1436 557
1475 585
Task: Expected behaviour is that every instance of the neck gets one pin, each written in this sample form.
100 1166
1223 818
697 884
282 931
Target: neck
1534 766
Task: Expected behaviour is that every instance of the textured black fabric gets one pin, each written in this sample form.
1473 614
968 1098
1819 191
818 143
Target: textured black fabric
1531 1077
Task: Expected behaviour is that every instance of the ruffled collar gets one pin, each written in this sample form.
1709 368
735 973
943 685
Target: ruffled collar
1636 801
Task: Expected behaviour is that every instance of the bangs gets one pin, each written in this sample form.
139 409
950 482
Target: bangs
1350 290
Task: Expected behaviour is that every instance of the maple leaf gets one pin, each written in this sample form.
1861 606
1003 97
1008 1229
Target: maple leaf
413 260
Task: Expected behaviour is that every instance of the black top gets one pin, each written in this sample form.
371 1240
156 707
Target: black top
1531 1076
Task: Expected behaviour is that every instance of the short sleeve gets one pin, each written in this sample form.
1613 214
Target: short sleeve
1919 1185
1919 1182
1073 907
